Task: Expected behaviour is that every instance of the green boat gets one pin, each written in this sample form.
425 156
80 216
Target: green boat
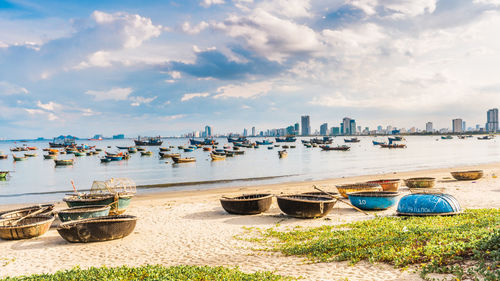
64 162
49 156
101 199
19 158
3 174
78 153
83 212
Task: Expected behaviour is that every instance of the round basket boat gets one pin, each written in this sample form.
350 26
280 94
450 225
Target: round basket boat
25 229
305 206
373 200
427 204
22 212
97 229
356 187
249 204
467 175
420 182
387 184
83 212
319 193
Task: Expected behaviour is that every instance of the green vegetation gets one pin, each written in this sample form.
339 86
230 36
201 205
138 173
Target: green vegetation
465 245
152 272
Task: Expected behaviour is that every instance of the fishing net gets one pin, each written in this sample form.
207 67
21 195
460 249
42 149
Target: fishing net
114 186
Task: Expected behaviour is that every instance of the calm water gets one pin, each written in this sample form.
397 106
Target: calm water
38 180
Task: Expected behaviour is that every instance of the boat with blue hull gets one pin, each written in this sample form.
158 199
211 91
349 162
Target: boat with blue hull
286 139
264 142
148 141
373 200
428 204
206 141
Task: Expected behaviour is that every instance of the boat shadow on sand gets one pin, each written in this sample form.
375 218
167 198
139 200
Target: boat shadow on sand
42 242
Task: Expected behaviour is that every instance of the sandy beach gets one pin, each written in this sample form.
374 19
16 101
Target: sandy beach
191 228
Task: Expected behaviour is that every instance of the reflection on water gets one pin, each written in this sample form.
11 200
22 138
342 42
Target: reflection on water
36 175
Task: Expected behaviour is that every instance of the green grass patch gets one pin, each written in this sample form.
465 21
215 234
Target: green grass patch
153 272
466 245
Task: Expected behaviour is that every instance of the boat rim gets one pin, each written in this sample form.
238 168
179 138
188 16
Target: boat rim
47 218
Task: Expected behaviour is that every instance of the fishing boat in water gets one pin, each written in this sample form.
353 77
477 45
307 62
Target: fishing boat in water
446 137
282 153
485 138
216 157
164 149
183 160
3 174
49 156
19 158
206 141
64 162
378 142
62 142
339 147
352 140
146 153
169 155
264 142
286 139
148 141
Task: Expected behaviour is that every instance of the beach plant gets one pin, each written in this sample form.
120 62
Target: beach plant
466 245
152 272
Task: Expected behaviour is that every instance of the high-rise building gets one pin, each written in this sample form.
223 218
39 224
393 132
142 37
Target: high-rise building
245 132
379 129
296 127
457 125
335 131
306 125
352 124
290 130
463 126
253 131
323 129
428 127
492 120
208 131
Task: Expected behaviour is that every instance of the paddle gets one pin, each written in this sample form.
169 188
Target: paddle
338 200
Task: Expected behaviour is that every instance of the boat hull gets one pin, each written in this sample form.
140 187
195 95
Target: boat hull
422 204
28 228
373 200
304 206
251 204
84 212
97 229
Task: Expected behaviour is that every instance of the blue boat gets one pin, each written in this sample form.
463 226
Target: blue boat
378 142
427 204
238 139
286 139
373 200
114 158
206 141
264 142
188 150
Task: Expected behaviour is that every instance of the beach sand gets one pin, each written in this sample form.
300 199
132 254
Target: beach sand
191 228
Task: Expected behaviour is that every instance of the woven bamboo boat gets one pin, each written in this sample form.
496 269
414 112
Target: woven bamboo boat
183 160
25 229
282 153
22 212
49 156
106 199
467 175
97 229
373 200
305 206
3 174
356 187
64 162
319 193
146 153
83 212
19 158
425 182
387 184
169 155
217 157
4 156
249 204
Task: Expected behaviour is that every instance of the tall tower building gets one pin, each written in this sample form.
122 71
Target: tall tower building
306 125
253 131
492 120
457 125
323 129
428 127
208 131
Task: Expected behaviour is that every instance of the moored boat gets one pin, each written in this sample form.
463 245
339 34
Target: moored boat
97 229
183 160
352 140
118 201
467 175
148 141
422 182
49 156
286 139
343 189
423 204
339 147
373 200
305 206
3 174
282 153
64 162
146 153
248 204
83 212
169 155
4 156
216 157
30 154
29 227
19 158
164 149
264 142
105 159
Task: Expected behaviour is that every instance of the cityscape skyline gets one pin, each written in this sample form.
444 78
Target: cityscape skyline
163 67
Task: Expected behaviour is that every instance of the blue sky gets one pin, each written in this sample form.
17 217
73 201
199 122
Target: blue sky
169 67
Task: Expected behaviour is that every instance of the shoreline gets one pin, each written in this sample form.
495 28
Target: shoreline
291 186
191 228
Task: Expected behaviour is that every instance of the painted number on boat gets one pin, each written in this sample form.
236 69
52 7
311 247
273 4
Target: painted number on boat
362 202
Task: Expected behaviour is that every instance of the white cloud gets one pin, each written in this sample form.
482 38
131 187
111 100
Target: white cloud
49 115
8 89
136 101
288 8
50 106
208 3
175 74
173 117
190 96
113 94
396 8
245 90
187 28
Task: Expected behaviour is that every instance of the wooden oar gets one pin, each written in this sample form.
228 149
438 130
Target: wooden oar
29 215
338 200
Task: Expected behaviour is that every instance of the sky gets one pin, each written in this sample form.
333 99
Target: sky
170 67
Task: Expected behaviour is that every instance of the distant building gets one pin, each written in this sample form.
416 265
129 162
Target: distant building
323 129
335 131
428 127
348 126
253 131
296 127
457 125
245 132
290 130
306 125
379 129
492 120
463 126
119 137
208 131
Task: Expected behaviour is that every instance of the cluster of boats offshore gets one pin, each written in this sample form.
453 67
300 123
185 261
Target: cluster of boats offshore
376 195
90 217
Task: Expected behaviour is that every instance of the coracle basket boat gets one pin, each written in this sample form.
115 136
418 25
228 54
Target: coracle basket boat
305 206
97 229
22 212
356 187
247 204
467 175
425 182
118 202
387 184
373 200
319 193
422 204
83 212
27 228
